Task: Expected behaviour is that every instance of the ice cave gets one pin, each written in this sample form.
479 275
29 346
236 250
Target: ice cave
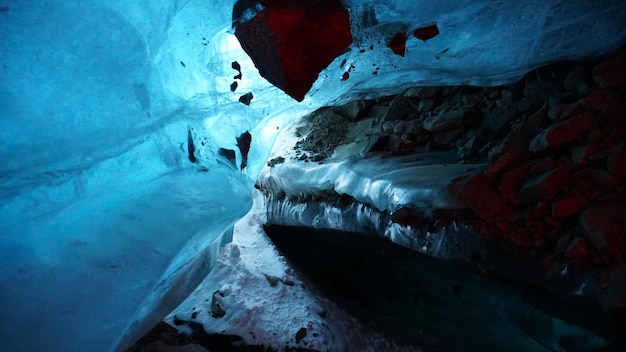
312 175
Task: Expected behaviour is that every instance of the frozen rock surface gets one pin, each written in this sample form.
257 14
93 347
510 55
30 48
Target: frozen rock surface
105 224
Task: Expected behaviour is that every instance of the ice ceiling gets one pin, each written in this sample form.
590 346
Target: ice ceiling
105 225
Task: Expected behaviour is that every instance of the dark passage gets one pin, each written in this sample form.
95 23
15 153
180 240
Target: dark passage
436 305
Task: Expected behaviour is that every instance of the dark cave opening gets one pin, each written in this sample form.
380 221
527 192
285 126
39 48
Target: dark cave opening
437 305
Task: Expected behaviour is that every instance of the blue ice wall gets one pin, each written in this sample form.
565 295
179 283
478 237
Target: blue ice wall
105 225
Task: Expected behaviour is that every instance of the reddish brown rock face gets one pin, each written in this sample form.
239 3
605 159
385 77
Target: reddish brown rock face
291 42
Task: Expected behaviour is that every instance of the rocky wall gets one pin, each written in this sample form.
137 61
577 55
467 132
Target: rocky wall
551 205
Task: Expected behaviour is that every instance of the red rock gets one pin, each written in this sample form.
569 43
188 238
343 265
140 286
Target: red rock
482 198
555 224
604 224
541 229
580 154
291 42
521 135
595 98
615 96
612 113
519 236
505 160
539 211
590 183
511 182
603 152
543 165
616 163
568 206
427 32
562 134
599 133
398 43
543 187
613 138
564 111
563 242
611 73
578 250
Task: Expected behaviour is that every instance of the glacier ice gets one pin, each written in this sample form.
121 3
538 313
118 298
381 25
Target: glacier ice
105 226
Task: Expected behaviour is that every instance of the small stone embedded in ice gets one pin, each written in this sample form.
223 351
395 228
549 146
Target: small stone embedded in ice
426 33
246 98
397 43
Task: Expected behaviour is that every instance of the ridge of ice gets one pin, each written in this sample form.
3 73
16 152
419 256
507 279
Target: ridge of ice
385 183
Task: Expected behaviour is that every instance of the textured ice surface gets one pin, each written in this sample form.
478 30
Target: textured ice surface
267 303
448 242
380 185
109 250
103 222
385 183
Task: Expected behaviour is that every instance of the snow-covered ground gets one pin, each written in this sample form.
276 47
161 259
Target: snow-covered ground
267 303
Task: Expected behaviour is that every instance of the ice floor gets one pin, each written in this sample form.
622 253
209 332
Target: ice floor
267 303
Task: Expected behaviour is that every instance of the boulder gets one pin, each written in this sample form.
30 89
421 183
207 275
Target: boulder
352 109
544 165
511 182
578 250
581 154
505 161
611 73
616 163
292 42
591 183
543 187
564 111
445 138
482 198
450 120
604 225
568 206
423 92
399 108
425 105
521 135
499 117
562 134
